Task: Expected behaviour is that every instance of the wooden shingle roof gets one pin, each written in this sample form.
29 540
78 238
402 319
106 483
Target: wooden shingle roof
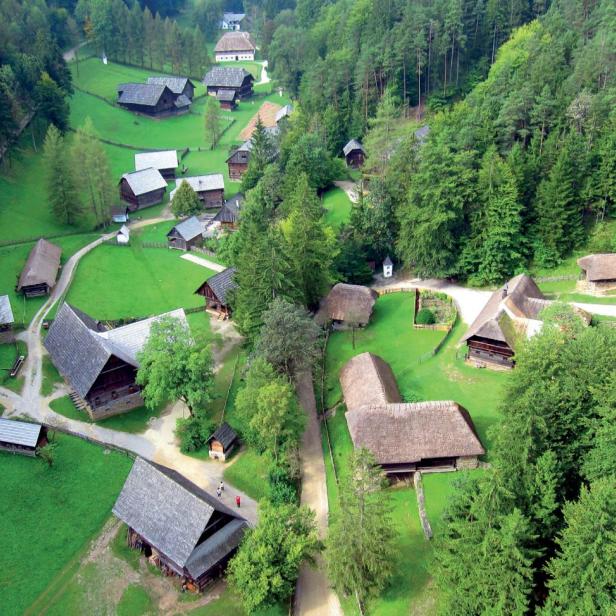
224 434
6 313
221 284
352 146
175 84
187 229
226 77
42 265
146 94
144 181
21 433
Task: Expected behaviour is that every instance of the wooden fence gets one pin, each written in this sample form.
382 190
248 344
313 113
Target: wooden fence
557 278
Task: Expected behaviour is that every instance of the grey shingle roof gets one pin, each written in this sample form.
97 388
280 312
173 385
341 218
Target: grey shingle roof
188 229
19 432
226 77
229 212
42 265
234 41
145 180
224 434
6 313
222 283
147 94
182 101
351 146
168 159
233 16
388 261
175 84
225 95
171 513
284 113
201 183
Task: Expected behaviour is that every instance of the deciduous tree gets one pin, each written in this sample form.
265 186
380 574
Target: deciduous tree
213 127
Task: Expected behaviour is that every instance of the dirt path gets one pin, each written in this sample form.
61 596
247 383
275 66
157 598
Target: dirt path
313 596
69 55
216 267
264 76
350 188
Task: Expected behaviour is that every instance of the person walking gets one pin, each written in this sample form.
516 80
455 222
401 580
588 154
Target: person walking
237 501
218 492
221 487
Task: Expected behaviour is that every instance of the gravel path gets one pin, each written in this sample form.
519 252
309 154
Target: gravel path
313 596
350 188
216 267
264 76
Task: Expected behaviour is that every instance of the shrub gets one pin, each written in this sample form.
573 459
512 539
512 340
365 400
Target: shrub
193 432
425 317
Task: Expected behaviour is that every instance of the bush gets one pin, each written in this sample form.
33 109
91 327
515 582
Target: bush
193 432
425 317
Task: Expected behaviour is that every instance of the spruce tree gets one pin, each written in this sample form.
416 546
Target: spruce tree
62 193
185 201
261 153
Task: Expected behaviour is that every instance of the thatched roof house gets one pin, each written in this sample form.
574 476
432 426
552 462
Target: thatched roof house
38 276
404 437
235 46
187 531
599 272
346 305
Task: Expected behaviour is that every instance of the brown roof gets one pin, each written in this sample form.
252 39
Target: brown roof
521 296
367 379
267 112
599 267
42 265
402 433
235 41
348 302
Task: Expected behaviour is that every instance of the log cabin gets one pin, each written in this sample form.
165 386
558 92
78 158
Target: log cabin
404 437
21 437
98 363
229 214
165 162
209 188
217 290
235 47
237 163
180 86
38 276
599 273
222 442
186 234
347 305
227 99
142 188
229 78
152 99
6 313
354 154
180 528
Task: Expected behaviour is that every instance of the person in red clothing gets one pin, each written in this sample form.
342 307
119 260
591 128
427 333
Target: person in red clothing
237 501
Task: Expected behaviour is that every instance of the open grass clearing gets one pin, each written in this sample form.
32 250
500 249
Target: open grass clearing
248 473
55 509
51 377
337 207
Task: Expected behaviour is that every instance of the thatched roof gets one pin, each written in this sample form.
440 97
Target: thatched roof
42 265
599 267
403 433
367 379
234 41
172 513
347 302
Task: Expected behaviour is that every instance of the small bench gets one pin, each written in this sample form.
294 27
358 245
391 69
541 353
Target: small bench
17 364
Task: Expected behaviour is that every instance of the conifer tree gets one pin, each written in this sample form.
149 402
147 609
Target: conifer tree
185 201
261 153
62 192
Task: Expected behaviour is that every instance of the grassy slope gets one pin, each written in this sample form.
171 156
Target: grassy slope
338 206
55 516
390 335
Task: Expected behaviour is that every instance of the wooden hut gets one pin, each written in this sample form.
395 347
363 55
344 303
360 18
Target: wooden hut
404 437
179 527
599 273
152 99
222 442
21 436
238 161
347 305
209 188
179 86
229 78
142 188
165 162
354 154
229 214
100 364
120 214
217 289
186 234
235 47
227 99
6 313
38 276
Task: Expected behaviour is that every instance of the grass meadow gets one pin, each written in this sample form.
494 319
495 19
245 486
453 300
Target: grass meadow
337 207
445 376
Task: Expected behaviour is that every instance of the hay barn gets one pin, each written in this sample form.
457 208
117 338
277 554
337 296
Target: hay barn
38 276
347 305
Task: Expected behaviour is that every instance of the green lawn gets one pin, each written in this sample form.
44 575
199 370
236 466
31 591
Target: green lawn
248 473
54 511
445 376
8 354
113 282
51 376
338 207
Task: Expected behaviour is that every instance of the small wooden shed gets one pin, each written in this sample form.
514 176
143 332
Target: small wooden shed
142 188
238 161
186 234
216 291
229 214
38 276
21 436
227 99
222 442
347 305
165 161
354 154
599 272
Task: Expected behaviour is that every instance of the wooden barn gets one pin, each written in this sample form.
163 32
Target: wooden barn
21 436
238 161
229 78
179 86
216 291
347 305
599 273
227 99
180 528
142 188
404 437
6 313
235 47
38 276
186 234
99 364
229 214
354 154
152 99
165 162
209 188
222 442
